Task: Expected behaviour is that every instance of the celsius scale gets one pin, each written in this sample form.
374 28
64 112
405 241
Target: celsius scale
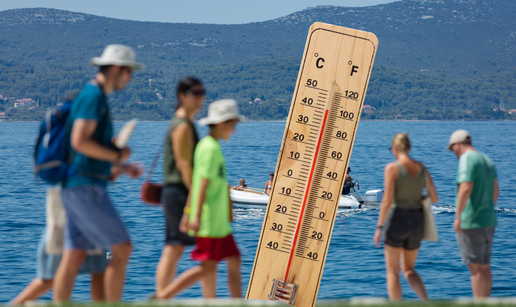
312 163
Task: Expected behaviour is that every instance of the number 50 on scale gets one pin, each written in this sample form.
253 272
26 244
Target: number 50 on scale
314 156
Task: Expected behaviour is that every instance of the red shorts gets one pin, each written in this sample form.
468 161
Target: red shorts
214 248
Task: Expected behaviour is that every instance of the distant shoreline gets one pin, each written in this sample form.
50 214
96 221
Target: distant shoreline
279 121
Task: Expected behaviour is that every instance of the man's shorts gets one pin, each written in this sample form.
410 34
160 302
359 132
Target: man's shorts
47 264
215 249
93 221
476 245
405 228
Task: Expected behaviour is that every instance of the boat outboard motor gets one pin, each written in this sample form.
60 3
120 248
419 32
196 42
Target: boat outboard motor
373 198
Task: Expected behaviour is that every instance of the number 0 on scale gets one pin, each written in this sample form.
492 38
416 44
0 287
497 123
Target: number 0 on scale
314 156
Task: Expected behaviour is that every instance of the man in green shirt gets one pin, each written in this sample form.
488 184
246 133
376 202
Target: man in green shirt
475 221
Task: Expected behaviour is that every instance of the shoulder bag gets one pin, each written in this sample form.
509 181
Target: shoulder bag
56 222
151 191
429 226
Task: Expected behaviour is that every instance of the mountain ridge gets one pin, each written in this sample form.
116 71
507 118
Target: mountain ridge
456 38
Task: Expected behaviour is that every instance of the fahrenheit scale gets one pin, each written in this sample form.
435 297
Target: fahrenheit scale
310 172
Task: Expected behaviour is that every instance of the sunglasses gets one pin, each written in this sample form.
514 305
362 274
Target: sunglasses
196 93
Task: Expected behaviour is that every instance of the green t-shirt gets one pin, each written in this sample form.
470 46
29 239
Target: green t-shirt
477 168
209 164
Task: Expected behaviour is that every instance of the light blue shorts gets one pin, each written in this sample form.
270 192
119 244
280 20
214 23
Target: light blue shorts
93 221
47 264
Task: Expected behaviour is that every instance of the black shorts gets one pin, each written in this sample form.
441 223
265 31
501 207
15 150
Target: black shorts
405 228
173 200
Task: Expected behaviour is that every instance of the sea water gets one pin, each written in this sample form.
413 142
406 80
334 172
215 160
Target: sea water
354 266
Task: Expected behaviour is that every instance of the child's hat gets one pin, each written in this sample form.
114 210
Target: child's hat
220 111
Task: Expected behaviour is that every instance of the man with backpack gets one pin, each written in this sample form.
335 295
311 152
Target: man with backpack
93 222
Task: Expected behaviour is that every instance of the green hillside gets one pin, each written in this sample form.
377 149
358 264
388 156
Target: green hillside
151 94
452 59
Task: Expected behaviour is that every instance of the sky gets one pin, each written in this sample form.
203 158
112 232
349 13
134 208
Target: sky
190 11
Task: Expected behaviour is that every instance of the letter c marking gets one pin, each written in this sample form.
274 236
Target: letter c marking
317 63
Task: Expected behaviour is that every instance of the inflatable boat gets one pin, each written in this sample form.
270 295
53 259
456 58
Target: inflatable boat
253 198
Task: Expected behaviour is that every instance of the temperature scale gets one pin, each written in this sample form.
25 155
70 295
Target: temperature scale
311 167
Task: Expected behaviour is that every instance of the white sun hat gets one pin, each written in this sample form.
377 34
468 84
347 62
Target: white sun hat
220 111
119 55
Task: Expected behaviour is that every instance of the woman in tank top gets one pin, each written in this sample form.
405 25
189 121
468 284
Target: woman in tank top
178 168
404 183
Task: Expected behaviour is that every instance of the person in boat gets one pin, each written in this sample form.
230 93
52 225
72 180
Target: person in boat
348 183
268 185
404 183
241 185
179 151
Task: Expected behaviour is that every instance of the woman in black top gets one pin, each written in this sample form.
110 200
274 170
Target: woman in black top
178 168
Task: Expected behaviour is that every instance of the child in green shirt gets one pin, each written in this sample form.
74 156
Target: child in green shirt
209 215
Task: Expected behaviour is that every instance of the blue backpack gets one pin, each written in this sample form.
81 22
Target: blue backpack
52 162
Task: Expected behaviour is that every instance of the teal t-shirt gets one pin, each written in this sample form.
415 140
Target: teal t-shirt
209 164
91 104
477 168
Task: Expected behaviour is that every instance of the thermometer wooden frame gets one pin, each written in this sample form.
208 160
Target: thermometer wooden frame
312 163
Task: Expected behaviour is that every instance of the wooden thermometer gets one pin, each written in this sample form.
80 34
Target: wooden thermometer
311 167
